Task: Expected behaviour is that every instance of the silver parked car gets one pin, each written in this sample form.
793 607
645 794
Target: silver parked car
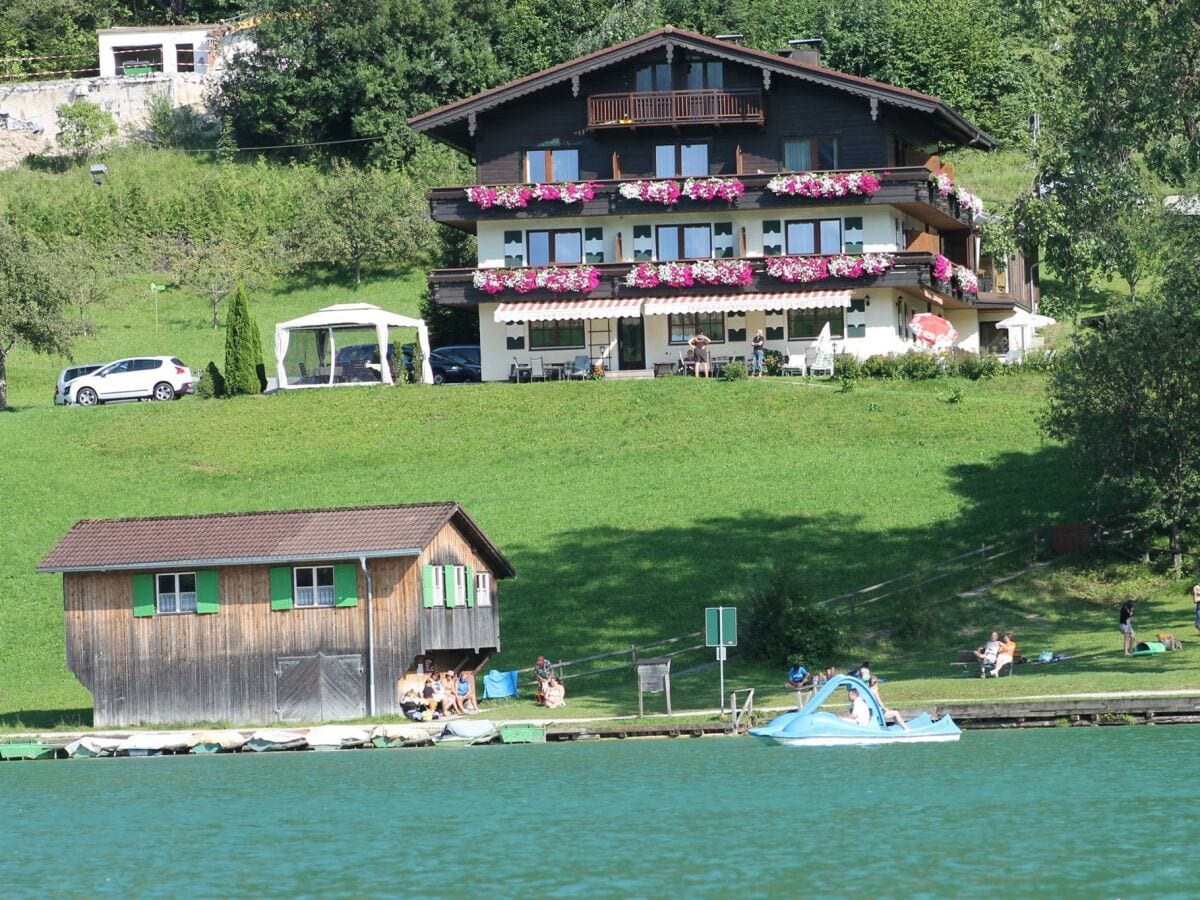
69 374
135 378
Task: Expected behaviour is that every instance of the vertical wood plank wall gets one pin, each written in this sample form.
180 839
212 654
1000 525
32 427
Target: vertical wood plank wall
189 668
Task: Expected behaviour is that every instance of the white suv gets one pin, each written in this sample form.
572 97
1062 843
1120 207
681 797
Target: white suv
136 378
69 374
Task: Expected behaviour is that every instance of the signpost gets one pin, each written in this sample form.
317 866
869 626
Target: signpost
720 631
654 677
155 290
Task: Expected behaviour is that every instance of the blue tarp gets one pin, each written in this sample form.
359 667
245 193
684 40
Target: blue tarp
499 684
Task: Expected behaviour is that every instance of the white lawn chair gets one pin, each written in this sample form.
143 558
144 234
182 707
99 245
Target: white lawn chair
793 363
538 370
819 361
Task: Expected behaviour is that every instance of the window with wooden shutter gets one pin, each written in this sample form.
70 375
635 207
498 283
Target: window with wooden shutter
439 586
143 595
208 592
281 588
345 585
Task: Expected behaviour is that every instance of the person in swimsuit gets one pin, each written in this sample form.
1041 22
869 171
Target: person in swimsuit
555 694
699 343
1125 625
889 715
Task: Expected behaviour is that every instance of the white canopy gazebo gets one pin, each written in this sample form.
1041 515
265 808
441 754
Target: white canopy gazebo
343 344
1021 325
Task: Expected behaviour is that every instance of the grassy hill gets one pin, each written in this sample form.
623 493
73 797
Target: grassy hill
626 507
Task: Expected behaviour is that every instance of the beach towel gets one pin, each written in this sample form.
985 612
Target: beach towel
498 684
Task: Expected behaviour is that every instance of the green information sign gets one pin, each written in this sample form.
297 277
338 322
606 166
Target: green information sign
720 626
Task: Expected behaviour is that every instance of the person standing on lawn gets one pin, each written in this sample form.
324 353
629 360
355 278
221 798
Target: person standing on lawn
1196 603
699 343
759 344
1125 625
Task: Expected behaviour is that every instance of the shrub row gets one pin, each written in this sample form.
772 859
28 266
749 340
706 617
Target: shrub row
916 366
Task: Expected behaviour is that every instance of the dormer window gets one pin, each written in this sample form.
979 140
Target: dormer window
809 154
545 166
681 161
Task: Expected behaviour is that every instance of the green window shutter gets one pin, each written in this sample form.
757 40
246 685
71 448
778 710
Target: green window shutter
470 586
427 582
281 587
345 584
448 585
772 237
208 591
144 598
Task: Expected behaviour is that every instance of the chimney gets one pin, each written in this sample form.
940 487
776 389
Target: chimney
805 50
731 38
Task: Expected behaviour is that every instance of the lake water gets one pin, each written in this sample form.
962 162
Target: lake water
1092 812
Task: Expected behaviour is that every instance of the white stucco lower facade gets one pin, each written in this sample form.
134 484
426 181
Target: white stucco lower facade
875 323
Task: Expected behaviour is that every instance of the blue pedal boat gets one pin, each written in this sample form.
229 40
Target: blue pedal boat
812 727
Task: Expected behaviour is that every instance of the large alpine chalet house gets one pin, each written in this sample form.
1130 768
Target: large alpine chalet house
678 182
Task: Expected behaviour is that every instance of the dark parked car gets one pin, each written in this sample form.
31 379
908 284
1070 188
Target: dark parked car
456 364
360 355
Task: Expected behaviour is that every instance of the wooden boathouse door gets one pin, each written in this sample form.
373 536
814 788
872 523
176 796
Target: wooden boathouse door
319 688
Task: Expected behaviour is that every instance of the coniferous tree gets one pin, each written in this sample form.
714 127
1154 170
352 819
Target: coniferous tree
243 348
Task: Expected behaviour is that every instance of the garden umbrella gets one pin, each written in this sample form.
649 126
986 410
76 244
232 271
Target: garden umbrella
1024 323
933 330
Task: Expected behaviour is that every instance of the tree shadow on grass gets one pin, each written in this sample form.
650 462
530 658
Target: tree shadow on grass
654 583
46 719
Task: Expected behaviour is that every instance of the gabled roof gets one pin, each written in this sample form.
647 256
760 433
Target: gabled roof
260 538
876 91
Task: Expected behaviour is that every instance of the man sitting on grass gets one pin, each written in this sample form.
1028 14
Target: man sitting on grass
799 677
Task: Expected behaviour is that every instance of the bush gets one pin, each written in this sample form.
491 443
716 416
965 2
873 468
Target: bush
1038 361
881 367
847 364
734 371
848 382
211 383
773 362
917 366
780 622
975 367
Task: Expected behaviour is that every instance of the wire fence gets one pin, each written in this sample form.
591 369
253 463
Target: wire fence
977 569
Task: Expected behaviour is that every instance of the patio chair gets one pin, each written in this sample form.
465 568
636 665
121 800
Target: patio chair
793 363
819 362
537 372
687 365
581 368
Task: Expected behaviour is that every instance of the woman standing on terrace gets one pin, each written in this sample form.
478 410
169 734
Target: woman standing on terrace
699 343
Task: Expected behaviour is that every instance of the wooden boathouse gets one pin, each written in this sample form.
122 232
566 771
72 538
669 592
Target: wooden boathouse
296 615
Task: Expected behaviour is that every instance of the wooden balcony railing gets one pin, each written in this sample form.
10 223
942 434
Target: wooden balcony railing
704 107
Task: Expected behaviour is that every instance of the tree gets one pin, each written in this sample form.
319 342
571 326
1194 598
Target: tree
83 127
212 265
363 215
781 623
33 305
243 348
1125 401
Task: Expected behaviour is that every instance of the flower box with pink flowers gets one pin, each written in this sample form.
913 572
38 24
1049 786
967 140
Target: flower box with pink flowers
556 279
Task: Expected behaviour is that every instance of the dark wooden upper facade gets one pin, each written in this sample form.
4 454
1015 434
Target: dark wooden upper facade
604 106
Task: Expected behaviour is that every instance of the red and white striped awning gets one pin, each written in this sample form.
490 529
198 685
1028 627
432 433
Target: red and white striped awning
662 306
559 310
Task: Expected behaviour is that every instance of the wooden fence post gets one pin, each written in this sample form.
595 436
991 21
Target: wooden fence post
983 563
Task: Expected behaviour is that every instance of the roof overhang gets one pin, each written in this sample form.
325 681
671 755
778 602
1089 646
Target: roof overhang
874 91
235 561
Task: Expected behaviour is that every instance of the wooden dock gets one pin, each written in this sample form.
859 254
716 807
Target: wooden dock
1070 712
667 729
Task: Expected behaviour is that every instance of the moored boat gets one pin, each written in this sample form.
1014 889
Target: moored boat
270 739
336 737
89 747
155 743
813 727
225 741
399 735
517 733
465 732
27 750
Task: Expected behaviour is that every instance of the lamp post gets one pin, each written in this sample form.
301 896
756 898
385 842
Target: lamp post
155 290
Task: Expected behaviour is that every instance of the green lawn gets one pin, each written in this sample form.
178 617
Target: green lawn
627 507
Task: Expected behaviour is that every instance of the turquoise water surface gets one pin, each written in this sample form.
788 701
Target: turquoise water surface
1105 812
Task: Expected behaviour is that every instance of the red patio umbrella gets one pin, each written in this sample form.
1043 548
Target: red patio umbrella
933 330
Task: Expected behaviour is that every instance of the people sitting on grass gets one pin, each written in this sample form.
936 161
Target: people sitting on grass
889 715
465 690
860 713
1006 654
555 694
450 692
412 705
987 654
798 677
542 671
